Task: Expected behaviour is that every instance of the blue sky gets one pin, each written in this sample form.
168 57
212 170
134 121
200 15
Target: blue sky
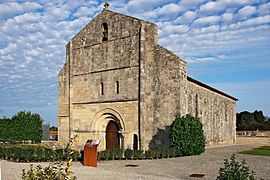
225 42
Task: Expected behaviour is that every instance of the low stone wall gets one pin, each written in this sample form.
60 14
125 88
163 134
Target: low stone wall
52 144
263 133
253 140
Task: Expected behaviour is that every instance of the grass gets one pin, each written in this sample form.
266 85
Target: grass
262 151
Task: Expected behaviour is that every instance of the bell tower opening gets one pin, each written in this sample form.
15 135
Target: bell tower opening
105 32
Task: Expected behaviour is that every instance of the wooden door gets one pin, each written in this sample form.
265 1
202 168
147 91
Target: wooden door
112 138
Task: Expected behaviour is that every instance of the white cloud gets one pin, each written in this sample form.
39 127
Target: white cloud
264 9
187 17
190 4
139 6
221 5
168 28
246 12
212 7
171 8
206 20
199 60
227 17
210 29
56 14
13 8
85 11
27 18
10 48
248 23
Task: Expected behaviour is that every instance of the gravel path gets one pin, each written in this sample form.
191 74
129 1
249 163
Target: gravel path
174 168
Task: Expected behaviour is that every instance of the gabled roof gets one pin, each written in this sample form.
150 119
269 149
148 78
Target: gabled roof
112 12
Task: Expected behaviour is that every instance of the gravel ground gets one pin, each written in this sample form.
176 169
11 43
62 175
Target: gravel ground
207 163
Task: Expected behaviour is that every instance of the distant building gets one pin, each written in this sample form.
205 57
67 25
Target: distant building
121 87
53 135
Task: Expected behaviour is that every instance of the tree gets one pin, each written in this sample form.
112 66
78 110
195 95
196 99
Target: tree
246 121
22 126
243 120
53 128
258 116
29 124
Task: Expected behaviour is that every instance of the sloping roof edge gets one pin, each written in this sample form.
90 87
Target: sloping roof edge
129 16
210 88
114 12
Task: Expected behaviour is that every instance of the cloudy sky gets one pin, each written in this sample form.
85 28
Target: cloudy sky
225 42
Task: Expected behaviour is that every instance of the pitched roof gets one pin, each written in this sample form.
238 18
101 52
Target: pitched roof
210 88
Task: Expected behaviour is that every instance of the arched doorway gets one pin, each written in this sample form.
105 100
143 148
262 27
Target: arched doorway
112 136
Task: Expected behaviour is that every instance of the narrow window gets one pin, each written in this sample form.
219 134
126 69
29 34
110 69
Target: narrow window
101 89
105 32
117 87
225 112
135 142
197 105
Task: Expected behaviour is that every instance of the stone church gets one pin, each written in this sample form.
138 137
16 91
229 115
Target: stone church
121 87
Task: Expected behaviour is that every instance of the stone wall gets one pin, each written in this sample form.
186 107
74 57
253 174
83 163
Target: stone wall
87 87
63 100
90 121
217 112
165 82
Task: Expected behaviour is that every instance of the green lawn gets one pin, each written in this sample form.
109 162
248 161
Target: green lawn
262 151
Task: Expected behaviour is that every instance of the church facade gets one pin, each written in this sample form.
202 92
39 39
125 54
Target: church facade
121 87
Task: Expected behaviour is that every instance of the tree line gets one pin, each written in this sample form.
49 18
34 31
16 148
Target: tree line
252 121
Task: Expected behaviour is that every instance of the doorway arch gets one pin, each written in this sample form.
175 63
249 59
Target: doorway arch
100 122
112 136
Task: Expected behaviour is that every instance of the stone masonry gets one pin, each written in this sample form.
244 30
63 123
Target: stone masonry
116 71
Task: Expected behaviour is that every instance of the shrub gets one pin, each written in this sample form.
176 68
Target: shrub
53 172
34 153
128 154
138 154
149 154
234 170
76 156
156 153
186 134
164 153
59 154
116 154
104 155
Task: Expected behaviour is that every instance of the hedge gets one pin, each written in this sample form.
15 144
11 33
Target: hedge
27 153
129 154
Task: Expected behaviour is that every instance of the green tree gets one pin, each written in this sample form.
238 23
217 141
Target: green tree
243 120
258 116
22 126
186 134
246 121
